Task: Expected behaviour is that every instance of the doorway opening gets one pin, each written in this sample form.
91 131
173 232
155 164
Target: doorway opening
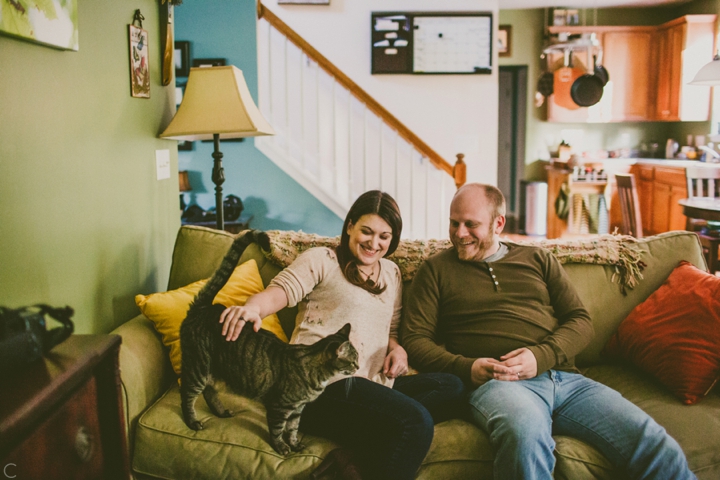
512 109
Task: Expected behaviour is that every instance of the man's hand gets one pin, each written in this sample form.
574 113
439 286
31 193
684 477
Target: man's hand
484 369
521 363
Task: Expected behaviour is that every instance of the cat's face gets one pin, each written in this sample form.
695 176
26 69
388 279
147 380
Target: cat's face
346 360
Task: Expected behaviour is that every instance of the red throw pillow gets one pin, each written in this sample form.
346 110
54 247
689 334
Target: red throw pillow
674 335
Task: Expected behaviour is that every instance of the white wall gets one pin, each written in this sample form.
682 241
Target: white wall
451 113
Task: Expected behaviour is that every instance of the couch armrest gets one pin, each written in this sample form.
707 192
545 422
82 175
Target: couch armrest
145 369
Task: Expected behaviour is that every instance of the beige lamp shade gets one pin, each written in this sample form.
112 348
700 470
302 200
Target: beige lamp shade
216 101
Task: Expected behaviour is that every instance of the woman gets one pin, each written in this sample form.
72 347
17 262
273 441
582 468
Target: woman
385 419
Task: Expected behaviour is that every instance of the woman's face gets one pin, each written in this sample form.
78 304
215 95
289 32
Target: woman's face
370 238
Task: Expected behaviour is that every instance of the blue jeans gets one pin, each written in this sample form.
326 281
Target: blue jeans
389 430
521 417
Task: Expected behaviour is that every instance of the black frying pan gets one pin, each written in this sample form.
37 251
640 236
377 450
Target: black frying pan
545 84
600 71
587 90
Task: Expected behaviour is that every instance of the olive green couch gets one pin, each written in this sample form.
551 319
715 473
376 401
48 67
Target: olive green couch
163 447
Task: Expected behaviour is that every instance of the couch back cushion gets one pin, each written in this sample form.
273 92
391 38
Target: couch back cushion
199 251
608 307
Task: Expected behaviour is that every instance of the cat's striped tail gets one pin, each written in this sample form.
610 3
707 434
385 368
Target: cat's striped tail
207 294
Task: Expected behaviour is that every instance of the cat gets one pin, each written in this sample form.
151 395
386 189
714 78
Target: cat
257 365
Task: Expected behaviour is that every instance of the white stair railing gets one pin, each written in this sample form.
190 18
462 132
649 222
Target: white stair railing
335 144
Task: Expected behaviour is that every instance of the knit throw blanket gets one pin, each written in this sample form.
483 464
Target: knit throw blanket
619 252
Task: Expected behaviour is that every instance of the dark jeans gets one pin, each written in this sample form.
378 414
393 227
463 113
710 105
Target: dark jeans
389 430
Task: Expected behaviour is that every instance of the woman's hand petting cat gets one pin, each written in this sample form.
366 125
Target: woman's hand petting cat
396 361
234 319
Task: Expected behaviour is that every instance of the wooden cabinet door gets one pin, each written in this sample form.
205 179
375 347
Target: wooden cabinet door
662 196
669 66
628 59
677 219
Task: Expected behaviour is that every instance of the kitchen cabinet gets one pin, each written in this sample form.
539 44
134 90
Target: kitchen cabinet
628 96
649 68
684 45
659 189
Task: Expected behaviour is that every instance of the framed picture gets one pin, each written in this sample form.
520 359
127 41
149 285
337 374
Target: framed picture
139 66
54 24
208 62
304 2
504 40
182 58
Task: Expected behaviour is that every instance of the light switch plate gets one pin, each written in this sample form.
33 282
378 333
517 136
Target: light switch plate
162 161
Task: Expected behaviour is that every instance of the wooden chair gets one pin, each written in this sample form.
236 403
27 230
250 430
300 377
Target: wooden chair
704 182
629 205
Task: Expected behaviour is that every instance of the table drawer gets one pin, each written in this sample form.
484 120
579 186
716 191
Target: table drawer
66 445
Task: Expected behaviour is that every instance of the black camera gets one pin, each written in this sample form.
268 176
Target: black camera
24 336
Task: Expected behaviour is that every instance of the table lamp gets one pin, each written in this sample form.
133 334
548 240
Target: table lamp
217 104
184 187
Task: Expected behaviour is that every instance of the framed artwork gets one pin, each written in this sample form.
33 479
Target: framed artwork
208 62
504 40
54 24
304 2
182 58
139 66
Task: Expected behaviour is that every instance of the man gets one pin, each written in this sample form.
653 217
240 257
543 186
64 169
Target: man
507 320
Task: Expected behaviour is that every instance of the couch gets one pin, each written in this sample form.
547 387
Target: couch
161 446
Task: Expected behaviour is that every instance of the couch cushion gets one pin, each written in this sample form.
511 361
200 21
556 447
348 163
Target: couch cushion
238 447
695 427
674 335
608 307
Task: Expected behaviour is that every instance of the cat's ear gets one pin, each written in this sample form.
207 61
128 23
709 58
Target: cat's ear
345 330
345 350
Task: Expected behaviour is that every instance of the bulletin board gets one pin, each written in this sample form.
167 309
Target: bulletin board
431 42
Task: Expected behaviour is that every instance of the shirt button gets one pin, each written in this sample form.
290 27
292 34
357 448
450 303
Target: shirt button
493 276
496 283
490 269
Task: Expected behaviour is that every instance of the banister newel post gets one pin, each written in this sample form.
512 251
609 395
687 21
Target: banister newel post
459 171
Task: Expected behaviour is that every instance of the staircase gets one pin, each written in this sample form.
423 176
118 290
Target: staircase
338 142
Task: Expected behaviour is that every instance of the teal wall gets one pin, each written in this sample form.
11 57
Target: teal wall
227 29
83 220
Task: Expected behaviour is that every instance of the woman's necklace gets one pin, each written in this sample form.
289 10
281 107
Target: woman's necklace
368 275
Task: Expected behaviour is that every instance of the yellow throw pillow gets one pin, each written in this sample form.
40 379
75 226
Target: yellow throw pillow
167 310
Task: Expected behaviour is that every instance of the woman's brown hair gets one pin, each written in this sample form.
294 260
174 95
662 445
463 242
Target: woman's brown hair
382 205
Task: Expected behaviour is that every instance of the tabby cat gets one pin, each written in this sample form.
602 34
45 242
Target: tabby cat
257 365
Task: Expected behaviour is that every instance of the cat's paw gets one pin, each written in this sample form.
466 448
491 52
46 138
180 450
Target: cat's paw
281 447
195 425
226 414
297 447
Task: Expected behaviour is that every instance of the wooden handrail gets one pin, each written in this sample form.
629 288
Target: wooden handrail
358 92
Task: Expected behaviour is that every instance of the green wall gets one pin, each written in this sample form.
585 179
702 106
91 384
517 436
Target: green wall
83 220
527 39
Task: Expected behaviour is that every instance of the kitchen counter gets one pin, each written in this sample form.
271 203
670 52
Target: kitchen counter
614 163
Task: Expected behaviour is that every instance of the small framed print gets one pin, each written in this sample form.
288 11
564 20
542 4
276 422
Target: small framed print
304 2
182 58
139 66
504 40
208 62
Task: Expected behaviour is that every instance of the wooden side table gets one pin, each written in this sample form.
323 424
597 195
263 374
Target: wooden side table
62 417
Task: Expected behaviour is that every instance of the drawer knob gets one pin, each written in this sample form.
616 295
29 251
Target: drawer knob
84 444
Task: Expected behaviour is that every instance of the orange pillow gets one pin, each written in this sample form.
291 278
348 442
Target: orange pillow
674 335
167 310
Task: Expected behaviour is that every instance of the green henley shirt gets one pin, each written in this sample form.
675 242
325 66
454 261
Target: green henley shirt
456 312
